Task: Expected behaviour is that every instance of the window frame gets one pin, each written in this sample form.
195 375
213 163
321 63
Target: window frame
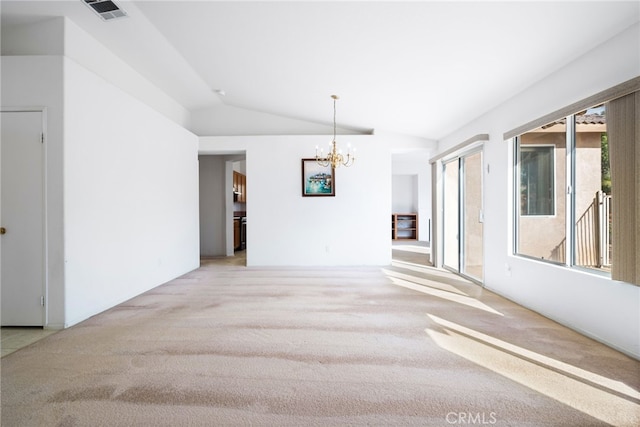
554 203
610 95
572 214
570 195
515 206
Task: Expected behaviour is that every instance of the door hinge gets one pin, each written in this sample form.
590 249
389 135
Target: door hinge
42 300
42 138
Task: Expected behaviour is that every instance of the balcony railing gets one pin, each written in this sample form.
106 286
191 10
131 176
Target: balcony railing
593 233
593 236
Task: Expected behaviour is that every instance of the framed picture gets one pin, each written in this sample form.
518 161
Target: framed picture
317 180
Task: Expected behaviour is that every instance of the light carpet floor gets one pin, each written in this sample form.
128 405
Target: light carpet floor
400 345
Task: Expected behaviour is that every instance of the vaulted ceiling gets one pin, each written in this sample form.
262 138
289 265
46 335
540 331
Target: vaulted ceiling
420 68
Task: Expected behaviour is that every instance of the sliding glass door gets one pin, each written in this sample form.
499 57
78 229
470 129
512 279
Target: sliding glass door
472 245
463 215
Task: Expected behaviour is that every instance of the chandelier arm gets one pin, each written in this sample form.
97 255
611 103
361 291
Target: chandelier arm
324 162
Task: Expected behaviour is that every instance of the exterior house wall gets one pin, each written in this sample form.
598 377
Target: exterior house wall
542 236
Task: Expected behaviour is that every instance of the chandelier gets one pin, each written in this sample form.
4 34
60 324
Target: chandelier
335 158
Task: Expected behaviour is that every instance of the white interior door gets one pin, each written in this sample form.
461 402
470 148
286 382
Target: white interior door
22 219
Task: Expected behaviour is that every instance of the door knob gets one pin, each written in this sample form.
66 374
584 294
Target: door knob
3 230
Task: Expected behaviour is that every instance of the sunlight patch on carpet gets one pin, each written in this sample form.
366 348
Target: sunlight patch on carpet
600 397
447 295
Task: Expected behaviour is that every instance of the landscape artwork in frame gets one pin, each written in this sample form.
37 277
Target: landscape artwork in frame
317 180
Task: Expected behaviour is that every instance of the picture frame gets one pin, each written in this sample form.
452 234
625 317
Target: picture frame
317 180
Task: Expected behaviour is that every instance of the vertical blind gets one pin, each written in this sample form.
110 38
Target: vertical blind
623 124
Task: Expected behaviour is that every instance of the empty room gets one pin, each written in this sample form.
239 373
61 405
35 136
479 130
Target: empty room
320 213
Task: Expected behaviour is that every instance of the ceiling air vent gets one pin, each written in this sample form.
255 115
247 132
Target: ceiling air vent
106 9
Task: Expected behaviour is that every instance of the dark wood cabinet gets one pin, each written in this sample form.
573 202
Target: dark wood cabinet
239 187
237 234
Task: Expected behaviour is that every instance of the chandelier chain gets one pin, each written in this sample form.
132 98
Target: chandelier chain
334 117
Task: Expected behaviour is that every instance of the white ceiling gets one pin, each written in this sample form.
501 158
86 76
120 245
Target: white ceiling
420 68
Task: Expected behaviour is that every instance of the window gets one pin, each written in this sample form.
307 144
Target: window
592 190
540 165
542 223
576 195
536 181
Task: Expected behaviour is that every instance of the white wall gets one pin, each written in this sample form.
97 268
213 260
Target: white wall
42 38
122 176
85 50
240 166
284 228
404 189
61 36
35 81
606 310
227 120
213 212
130 196
416 165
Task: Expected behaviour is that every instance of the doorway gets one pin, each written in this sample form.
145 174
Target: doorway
22 217
222 207
463 215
